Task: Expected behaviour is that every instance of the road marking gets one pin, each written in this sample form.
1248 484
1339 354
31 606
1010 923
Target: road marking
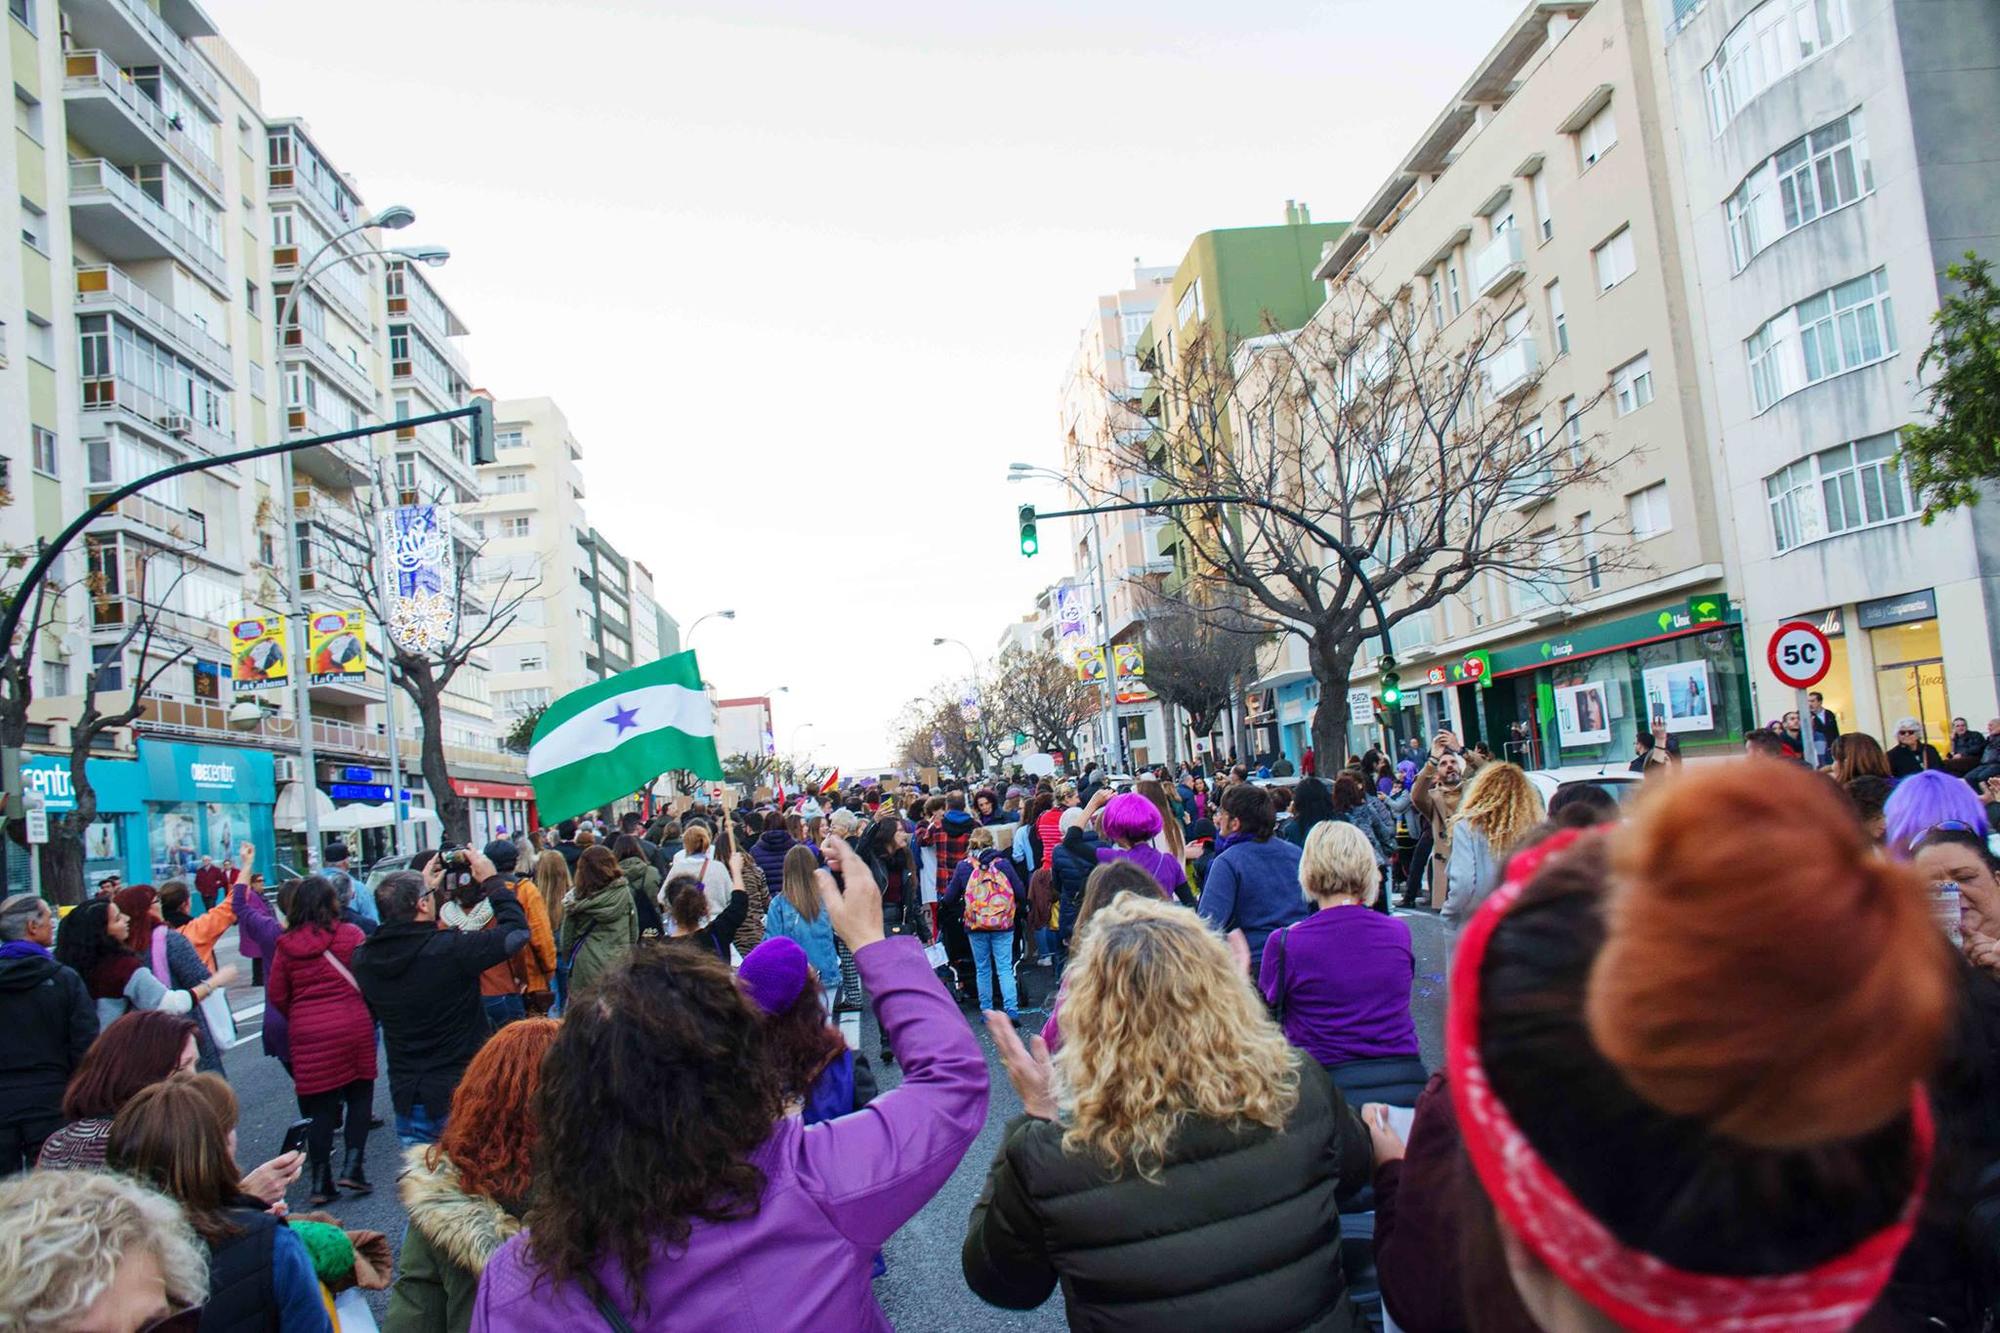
250 1011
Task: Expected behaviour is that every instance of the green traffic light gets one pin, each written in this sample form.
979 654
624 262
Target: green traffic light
1392 690
1030 543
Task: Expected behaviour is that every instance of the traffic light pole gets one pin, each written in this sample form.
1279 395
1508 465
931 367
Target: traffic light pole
1387 664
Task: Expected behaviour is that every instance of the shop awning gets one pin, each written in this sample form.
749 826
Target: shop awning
351 818
290 810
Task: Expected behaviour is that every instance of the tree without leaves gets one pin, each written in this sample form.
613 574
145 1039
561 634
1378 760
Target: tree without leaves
1195 661
940 714
348 563
1036 691
1388 436
748 769
1955 455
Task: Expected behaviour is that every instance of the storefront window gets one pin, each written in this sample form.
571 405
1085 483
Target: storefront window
174 833
1591 710
1909 676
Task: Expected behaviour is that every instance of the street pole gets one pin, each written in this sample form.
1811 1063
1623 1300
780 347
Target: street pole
389 686
1110 737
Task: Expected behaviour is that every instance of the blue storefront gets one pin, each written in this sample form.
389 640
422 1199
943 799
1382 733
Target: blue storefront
114 844
202 800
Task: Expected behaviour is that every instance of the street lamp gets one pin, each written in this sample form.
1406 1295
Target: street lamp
1112 739
688 639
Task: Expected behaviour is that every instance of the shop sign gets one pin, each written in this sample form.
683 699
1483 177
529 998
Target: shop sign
363 791
358 774
1644 627
1829 622
1437 675
115 781
1884 611
492 791
1709 608
207 679
259 653
337 646
176 772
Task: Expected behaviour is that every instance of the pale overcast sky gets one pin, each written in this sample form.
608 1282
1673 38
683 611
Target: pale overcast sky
805 276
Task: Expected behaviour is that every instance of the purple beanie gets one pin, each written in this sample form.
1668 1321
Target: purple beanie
774 974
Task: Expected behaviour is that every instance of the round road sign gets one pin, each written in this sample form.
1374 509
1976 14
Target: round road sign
1799 655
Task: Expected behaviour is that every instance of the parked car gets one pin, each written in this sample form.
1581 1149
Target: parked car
1621 784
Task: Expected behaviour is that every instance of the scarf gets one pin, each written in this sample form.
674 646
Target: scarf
455 917
23 949
1228 840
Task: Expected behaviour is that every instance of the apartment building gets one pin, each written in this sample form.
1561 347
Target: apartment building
162 218
1826 152
1539 197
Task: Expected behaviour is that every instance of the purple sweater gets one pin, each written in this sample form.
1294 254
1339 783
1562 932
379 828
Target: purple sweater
834 1193
1152 860
1346 977
258 925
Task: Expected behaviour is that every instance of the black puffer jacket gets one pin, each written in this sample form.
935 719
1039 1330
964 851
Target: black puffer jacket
1071 863
1241 1232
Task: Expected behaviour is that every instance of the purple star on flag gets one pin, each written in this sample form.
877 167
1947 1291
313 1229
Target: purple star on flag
623 718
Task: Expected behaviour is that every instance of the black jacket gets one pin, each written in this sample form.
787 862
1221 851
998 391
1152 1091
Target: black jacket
242 1295
1242 1230
50 1021
423 985
1073 860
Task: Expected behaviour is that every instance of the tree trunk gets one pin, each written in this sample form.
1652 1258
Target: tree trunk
1332 667
427 694
62 865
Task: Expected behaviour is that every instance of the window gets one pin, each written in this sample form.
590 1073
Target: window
1586 545
1190 305
1572 432
34 226
267 550
1594 140
27 113
1851 486
516 702
1451 285
1769 43
479 527
250 295
45 451
1632 385
1614 260
1805 180
516 525
1538 190
1437 302
1558 318
510 483
41 339
113 677
23 12
529 657
510 439
1827 334
257 382
55 679
1648 511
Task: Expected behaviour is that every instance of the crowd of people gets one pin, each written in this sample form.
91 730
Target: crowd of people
1725 1055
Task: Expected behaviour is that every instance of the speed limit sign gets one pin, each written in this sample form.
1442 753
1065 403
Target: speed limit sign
1799 655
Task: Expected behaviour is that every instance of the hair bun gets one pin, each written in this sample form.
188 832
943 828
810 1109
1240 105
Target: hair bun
1765 970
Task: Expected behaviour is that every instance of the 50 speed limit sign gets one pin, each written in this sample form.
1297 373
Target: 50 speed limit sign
1799 655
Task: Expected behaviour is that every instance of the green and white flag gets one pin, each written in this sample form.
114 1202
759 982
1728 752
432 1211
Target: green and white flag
608 740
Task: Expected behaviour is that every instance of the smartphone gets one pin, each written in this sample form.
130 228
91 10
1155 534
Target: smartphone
295 1137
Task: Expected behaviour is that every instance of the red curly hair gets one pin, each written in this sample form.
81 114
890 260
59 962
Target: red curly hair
493 1130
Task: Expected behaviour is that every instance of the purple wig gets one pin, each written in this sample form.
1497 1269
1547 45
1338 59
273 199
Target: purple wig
1131 819
1922 802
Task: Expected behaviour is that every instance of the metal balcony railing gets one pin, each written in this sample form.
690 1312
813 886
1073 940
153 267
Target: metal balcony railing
186 62
103 285
90 71
167 521
355 379
115 393
93 178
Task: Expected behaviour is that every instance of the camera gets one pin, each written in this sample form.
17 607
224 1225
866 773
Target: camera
457 863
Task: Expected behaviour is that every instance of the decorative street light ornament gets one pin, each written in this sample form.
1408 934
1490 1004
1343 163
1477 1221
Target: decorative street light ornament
422 596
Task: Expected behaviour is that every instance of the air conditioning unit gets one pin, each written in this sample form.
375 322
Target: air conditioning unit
177 423
284 768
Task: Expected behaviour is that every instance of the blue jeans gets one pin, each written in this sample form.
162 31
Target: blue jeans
995 949
418 1126
503 1009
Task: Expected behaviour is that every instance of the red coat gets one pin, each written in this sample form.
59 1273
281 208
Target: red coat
332 1033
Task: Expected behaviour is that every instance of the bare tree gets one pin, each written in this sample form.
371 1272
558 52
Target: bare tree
748 769
1037 692
348 565
1424 451
1195 661
939 718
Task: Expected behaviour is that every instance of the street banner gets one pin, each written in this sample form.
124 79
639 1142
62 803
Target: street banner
1131 660
422 606
336 646
1090 664
1069 612
259 654
605 740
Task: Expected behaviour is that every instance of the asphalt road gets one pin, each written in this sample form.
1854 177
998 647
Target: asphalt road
923 1288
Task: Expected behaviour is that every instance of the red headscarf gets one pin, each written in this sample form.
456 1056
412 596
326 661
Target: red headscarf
1637 1289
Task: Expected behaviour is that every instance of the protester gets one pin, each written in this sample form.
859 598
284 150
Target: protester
135 1052
1171 838
1049 824
1856 755
771 846
92 1252
50 1021
169 955
1353 804
1912 754
986 893
1072 860
734 1200
1495 814
744 874
947 834
689 922
1655 752
1133 822
1930 800
1339 981
466 1193
642 880
338 858
600 924
1435 795
1175 1155
175 1137
422 984
816 1068
92 943
538 960
796 914
885 850
1582 805
1254 884
332 1035
200 931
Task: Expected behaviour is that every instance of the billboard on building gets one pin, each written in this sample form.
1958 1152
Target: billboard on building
336 646
259 654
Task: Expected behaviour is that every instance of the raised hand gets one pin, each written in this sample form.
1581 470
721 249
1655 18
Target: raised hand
1029 1068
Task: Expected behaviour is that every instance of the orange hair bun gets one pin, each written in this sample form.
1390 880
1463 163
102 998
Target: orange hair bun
1765 971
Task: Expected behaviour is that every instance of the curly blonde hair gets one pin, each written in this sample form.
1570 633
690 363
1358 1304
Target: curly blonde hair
64 1234
1502 804
1160 1026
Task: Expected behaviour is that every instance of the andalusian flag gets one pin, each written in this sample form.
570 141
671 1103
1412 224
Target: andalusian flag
607 740
832 783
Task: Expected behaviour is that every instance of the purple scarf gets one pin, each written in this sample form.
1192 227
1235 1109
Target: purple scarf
23 949
1228 840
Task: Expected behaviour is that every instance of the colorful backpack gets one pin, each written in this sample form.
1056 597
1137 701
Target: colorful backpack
989 897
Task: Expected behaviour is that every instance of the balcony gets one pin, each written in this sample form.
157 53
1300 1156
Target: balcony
351 377
1513 370
336 209
341 465
109 210
323 509
131 33
112 613
106 111
1499 264
108 398
183 531
350 300
103 287
439 445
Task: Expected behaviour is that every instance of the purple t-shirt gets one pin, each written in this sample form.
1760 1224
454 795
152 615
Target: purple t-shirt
1347 975
1152 860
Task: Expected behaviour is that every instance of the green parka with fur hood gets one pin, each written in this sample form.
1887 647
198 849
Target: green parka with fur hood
452 1234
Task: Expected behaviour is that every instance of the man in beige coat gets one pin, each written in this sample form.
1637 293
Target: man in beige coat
1435 795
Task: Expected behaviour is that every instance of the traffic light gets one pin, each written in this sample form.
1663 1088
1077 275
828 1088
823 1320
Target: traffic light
1029 542
1392 685
482 430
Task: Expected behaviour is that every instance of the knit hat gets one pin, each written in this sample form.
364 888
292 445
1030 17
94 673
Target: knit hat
503 855
774 974
1071 818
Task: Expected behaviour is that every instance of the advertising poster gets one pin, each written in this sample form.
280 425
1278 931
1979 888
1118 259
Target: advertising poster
1131 660
423 609
336 646
1678 694
1582 717
1090 664
259 657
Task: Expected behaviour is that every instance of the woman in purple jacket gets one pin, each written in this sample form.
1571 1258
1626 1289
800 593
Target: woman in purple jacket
676 1192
